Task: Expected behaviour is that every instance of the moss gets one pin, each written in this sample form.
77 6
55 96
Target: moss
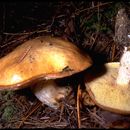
102 21
7 109
8 113
6 94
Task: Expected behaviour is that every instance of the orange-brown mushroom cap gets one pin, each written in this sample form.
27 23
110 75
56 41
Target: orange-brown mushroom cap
41 58
105 92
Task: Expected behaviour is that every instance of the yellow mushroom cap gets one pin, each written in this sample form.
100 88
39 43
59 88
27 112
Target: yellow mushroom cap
105 92
41 58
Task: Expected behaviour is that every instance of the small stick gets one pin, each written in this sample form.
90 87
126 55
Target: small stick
61 112
32 111
78 106
113 52
25 54
99 5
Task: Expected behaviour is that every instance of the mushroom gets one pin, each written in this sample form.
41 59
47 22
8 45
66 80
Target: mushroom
108 85
41 61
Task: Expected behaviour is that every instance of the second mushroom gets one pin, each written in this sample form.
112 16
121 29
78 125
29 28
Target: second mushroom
108 85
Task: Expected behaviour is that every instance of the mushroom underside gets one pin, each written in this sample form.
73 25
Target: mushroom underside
104 90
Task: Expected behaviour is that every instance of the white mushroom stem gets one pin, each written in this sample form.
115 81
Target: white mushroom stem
123 77
49 93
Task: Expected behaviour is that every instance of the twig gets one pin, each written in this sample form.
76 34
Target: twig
97 118
61 112
17 100
113 52
98 16
26 33
78 106
25 54
92 7
14 41
4 16
32 111
93 42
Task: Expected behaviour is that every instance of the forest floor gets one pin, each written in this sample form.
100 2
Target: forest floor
89 25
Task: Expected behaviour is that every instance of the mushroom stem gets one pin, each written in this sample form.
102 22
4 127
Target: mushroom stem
123 77
50 93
